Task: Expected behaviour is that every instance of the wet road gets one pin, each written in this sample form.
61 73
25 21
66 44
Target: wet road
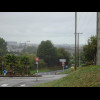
27 81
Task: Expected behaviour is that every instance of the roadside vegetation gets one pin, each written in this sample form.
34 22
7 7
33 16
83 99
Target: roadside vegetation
23 63
88 76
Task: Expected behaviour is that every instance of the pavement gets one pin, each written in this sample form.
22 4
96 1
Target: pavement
28 81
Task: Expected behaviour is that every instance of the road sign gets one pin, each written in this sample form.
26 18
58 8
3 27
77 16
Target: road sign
62 60
63 63
36 59
4 72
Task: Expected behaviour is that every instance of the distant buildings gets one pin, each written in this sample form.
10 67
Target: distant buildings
13 46
11 43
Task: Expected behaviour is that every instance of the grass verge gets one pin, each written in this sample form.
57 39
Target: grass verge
46 69
83 77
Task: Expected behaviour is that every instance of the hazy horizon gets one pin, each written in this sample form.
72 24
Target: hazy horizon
41 41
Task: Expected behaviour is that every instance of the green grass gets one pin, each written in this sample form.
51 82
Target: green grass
40 70
66 71
83 77
46 69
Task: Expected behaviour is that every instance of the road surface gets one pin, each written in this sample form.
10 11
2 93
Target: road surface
27 81
51 72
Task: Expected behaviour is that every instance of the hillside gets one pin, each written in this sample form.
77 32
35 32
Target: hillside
84 77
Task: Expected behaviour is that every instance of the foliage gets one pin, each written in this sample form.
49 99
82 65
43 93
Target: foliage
3 47
47 52
1 63
21 63
31 61
30 50
10 59
42 64
24 60
25 63
82 58
90 50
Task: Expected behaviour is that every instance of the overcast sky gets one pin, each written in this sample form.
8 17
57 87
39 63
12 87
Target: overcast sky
59 27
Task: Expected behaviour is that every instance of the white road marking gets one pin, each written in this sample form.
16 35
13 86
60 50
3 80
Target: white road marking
4 85
22 85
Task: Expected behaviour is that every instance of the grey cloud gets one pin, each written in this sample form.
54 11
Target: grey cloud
38 26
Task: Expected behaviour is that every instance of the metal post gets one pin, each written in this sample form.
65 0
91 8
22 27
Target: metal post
63 68
37 73
75 37
37 68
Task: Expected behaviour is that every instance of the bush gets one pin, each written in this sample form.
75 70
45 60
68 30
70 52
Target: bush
42 64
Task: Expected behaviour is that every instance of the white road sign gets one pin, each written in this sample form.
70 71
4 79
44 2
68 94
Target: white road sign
62 60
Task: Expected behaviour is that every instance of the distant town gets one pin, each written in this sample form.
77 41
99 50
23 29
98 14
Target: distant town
14 46
18 47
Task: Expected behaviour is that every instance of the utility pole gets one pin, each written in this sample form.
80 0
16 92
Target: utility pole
75 37
98 39
37 73
78 50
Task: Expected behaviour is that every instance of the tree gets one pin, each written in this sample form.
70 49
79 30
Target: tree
3 47
2 64
82 58
11 61
25 63
30 50
90 49
42 64
47 52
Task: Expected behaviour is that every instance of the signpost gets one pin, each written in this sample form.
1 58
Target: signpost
4 72
36 59
63 62
37 66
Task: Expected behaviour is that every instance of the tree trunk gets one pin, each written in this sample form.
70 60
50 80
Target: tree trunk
25 70
11 69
